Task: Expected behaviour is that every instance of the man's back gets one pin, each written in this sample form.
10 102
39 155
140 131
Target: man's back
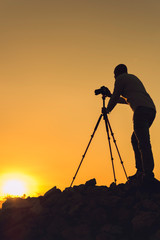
132 89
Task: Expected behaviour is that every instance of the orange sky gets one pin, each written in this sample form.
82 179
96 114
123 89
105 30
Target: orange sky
54 54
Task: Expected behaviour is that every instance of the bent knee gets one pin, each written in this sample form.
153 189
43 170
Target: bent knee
134 139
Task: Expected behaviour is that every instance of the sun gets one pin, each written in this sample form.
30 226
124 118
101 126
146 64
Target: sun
14 187
17 185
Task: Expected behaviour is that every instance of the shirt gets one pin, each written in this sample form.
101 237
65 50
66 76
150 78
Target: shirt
132 90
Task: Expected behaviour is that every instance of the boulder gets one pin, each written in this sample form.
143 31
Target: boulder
144 221
52 192
91 183
16 203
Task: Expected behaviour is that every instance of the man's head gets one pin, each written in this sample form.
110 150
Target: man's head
120 69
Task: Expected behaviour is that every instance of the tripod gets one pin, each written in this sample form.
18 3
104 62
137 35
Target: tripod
109 131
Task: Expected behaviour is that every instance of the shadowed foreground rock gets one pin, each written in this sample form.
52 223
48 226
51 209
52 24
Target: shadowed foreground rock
85 212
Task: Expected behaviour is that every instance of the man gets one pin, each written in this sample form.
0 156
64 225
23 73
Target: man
129 89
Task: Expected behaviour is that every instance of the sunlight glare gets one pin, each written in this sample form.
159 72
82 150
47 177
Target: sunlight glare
17 185
14 187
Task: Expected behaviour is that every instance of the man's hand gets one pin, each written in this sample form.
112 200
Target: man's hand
105 111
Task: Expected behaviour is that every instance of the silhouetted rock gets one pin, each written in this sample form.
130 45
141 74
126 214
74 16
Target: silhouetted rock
52 192
87 211
91 182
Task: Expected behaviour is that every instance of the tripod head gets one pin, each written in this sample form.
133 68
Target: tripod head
105 93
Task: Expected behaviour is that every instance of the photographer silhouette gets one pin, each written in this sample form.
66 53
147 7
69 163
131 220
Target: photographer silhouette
131 89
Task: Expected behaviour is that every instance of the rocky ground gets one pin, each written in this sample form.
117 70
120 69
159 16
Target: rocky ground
85 212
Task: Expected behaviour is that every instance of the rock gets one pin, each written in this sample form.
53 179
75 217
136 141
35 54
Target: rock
53 191
150 205
37 207
91 182
124 215
110 232
87 211
157 235
113 185
17 232
16 203
144 221
51 196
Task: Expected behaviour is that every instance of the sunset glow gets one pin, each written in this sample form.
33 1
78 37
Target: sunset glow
17 185
14 187
54 54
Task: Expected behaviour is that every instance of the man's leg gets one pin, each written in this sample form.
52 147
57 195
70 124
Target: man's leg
137 152
145 148
143 119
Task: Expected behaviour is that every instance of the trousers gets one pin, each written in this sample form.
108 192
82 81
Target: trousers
142 120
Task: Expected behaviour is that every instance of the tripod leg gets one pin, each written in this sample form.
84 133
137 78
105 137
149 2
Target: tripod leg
87 148
116 147
107 129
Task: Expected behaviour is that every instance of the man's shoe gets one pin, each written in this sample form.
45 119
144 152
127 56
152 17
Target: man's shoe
148 178
136 177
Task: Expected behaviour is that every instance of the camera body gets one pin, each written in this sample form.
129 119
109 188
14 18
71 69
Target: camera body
104 91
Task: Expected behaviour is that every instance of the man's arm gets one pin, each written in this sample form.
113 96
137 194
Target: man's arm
122 100
115 98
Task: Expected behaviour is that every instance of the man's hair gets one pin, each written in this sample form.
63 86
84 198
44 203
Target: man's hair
120 69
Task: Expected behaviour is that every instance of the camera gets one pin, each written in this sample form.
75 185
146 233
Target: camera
104 91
